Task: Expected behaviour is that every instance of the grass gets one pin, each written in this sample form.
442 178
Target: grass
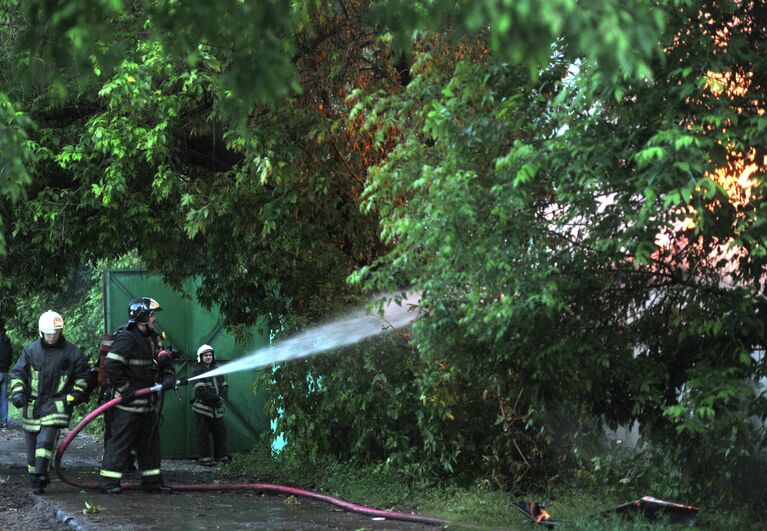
468 507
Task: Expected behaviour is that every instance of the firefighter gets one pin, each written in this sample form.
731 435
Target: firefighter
132 364
46 383
5 365
208 406
98 379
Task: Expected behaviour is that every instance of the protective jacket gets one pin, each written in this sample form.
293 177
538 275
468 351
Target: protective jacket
209 393
130 365
45 375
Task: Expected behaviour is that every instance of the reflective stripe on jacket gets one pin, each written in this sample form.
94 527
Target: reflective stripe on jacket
207 392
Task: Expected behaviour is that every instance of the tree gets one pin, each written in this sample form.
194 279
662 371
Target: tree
553 176
177 99
262 207
575 232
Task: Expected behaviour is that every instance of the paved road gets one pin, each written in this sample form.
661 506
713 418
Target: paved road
134 510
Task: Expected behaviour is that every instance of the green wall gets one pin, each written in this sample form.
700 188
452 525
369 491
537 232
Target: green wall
188 325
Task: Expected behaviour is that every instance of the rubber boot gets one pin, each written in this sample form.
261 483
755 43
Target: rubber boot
35 482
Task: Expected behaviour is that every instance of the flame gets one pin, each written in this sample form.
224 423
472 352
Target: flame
542 517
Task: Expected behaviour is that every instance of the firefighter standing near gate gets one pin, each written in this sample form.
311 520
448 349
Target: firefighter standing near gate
208 406
46 383
134 362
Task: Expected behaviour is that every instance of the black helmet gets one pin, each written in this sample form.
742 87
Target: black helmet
139 310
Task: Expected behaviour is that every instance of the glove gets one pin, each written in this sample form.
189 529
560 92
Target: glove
128 395
76 398
105 395
18 400
168 382
210 402
164 357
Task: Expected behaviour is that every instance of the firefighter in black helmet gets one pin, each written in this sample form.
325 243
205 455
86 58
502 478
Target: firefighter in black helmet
131 364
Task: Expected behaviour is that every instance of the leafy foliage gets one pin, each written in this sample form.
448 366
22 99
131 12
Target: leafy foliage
533 223
13 158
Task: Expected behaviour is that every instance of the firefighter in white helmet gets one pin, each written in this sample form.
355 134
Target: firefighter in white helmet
49 379
208 406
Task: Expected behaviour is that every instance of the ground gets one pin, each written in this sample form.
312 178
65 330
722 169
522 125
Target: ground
21 510
63 506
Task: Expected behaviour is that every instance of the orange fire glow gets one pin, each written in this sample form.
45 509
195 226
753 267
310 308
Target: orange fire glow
740 177
732 84
736 178
543 516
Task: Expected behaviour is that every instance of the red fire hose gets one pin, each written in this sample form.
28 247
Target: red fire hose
264 487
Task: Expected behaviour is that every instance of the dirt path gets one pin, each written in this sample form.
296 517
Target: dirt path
62 506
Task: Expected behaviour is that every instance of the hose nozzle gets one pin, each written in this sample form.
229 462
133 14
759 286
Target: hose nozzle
182 381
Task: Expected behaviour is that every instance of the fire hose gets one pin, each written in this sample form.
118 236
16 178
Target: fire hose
263 487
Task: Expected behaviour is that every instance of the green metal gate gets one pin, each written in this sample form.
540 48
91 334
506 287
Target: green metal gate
187 326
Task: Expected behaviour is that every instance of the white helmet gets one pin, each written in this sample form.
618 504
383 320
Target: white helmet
202 350
49 322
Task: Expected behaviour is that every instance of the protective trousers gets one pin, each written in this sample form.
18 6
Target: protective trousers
40 446
132 430
130 464
208 425
107 417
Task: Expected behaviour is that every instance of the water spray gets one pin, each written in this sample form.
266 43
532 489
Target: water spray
347 330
